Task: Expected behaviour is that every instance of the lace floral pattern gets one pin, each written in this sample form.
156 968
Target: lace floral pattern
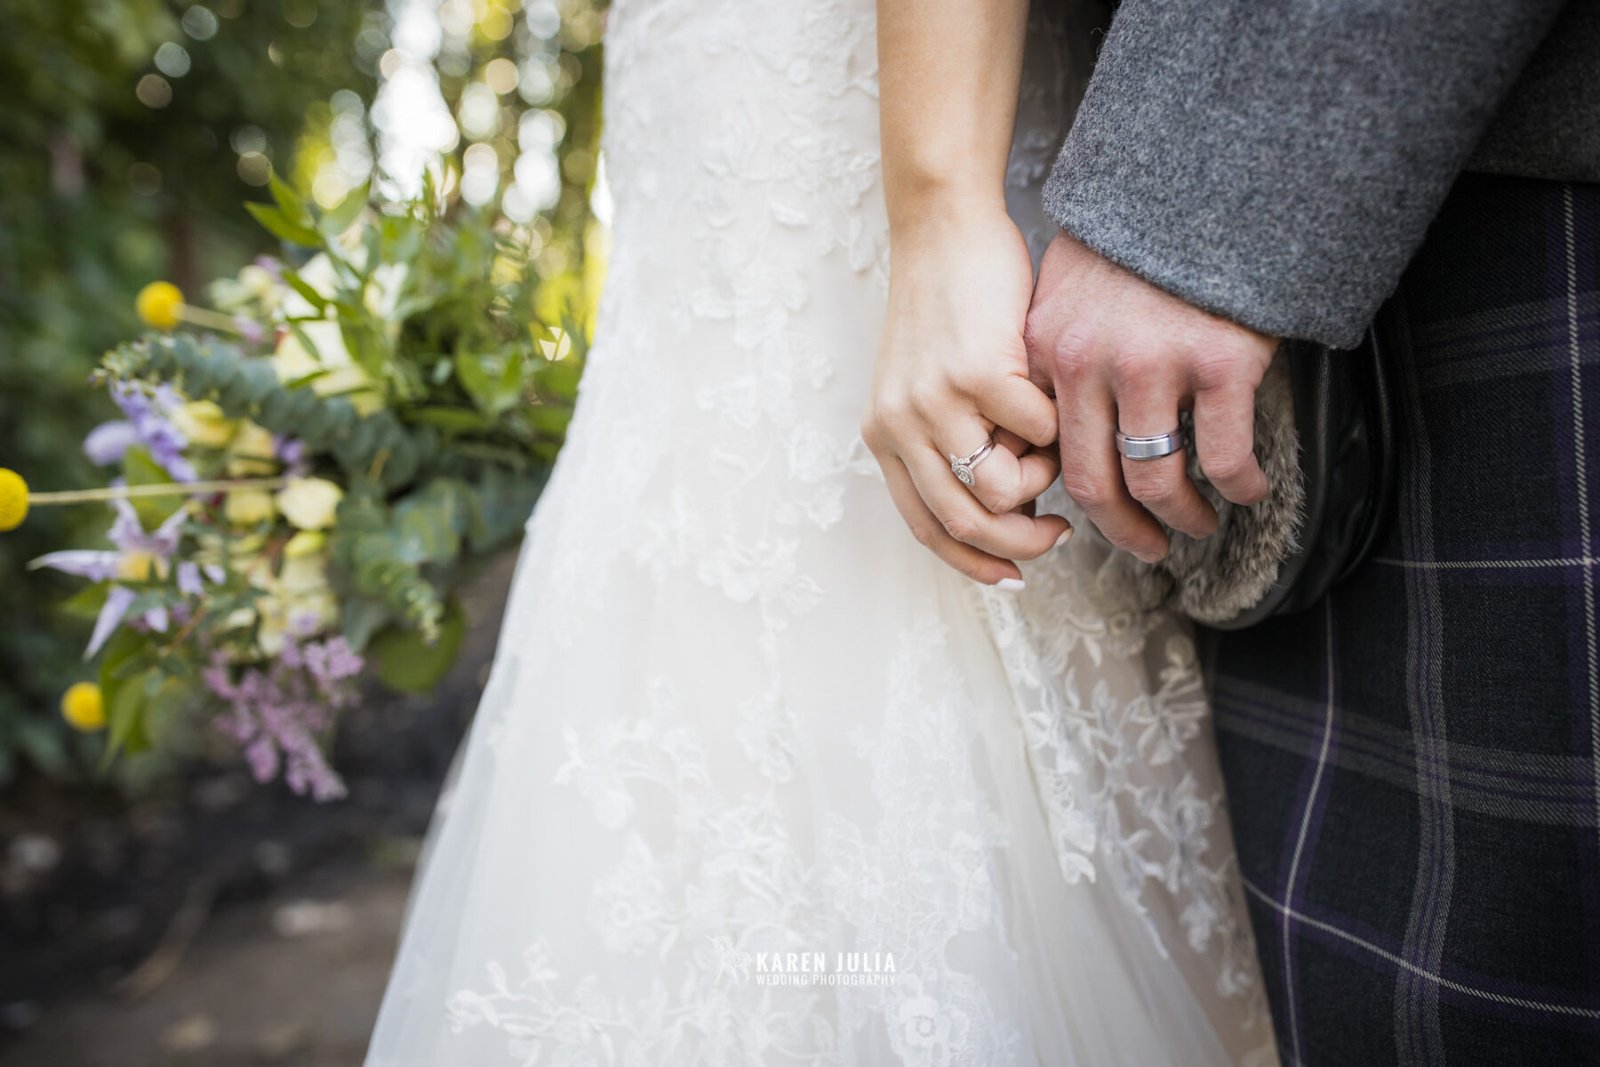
738 711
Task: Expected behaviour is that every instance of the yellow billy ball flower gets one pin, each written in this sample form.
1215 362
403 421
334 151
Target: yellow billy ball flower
13 499
83 707
160 304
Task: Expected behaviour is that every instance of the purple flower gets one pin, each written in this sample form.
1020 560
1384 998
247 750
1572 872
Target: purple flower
129 537
277 711
249 329
145 421
291 452
108 442
119 598
189 583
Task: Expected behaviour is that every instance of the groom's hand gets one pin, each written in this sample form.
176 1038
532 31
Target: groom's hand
1118 353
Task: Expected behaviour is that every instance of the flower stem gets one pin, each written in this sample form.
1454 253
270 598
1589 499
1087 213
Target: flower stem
129 492
215 320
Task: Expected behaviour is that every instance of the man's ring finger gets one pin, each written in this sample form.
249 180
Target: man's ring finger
1156 446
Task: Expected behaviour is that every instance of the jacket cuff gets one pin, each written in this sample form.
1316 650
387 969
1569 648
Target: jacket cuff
1279 164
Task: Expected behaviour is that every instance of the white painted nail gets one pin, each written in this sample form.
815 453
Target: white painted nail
1010 585
1065 536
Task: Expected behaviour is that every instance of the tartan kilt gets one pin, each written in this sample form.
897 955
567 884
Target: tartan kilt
1413 766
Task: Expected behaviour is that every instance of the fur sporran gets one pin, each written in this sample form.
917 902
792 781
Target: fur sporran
1324 435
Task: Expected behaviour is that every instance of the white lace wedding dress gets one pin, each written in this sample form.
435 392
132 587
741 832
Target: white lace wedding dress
737 711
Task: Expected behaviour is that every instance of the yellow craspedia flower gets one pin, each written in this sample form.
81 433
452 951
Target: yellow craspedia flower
160 304
13 499
83 707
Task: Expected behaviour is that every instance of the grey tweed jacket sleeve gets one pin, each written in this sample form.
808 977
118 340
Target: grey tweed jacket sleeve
1277 162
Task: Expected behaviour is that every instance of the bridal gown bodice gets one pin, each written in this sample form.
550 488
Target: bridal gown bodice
737 709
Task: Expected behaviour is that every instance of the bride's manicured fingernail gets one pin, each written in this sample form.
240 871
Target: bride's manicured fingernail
1010 585
1065 536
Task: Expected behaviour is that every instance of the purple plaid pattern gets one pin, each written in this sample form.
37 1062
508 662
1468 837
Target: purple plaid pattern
1414 765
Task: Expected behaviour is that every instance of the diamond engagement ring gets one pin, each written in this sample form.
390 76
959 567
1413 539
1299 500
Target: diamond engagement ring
1153 447
962 466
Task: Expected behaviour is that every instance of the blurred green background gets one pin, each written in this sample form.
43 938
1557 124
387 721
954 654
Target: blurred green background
133 132
170 915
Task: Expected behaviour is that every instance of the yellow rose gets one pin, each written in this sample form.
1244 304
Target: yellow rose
259 283
83 707
276 613
302 575
251 451
310 503
13 499
160 305
258 573
305 543
329 359
246 507
204 424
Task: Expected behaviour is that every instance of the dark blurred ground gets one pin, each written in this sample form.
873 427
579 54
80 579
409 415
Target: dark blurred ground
220 923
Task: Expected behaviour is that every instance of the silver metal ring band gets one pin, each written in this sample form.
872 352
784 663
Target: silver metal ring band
962 466
1156 446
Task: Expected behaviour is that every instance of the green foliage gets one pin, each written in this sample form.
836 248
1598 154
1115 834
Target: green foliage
102 194
407 403
106 191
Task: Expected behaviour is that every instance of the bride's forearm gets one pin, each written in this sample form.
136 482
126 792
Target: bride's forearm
948 73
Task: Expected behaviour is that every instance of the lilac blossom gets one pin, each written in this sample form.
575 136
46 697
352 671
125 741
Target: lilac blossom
103 565
291 452
278 710
145 421
249 329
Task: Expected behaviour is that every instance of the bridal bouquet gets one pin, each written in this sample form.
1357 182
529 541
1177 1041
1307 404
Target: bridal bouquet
301 474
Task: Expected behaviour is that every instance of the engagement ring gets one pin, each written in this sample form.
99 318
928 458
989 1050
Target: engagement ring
962 466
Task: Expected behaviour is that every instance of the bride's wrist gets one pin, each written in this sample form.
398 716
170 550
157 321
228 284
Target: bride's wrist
934 223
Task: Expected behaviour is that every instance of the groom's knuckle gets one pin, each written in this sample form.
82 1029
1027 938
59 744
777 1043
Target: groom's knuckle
1076 351
1133 367
1036 331
1150 487
1086 490
1223 365
1225 466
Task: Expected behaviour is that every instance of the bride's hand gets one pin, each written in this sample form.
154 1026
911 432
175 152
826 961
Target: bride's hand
952 367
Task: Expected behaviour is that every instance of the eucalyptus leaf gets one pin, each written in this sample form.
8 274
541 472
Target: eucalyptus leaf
407 663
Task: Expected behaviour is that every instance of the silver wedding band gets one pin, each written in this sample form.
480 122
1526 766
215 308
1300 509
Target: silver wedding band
1157 446
962 466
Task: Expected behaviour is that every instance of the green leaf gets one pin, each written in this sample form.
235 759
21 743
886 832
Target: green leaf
87 602
407 664
140 469
125 718
294 209
451 420
312 297
361 617
279 225
118 661
339 219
